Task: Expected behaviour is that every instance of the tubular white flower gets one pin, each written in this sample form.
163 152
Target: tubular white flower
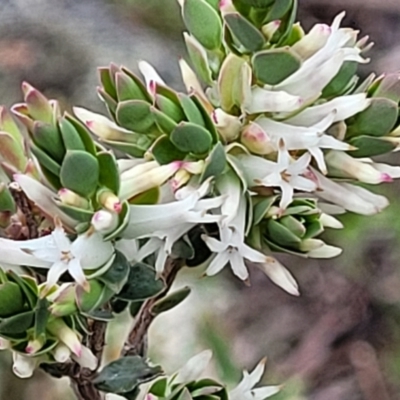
279 275
66 335
352 198
263 100
61 353
319 69
104 221
245 390
144 177
86 359
156 220
343 107
345 165
330 222
313 41
101 126
56 253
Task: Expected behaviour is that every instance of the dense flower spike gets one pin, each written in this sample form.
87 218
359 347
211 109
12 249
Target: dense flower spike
273 128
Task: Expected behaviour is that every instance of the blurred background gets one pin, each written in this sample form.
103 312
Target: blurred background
341 339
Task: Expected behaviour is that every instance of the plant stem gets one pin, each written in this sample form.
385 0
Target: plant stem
137 341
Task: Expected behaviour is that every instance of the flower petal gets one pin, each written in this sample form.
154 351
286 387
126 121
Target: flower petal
238 266
76 271
280 276
218 263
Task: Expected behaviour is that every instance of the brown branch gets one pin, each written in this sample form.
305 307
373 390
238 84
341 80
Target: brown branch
137 340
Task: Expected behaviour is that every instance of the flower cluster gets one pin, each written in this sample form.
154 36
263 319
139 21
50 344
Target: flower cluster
273 137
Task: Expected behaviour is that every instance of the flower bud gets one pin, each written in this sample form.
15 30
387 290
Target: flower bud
312 41
38 105
35 345
63 300
269 29
110 201
345 165
66 335
179 179
70 198
256 139
61 353
227 125
104 221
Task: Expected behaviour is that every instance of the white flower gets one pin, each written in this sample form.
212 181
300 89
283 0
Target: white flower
285 174
325 62
158 220
342 107
352 198
57 253
310 138
263 100
230 248
102 127
246 391
344 165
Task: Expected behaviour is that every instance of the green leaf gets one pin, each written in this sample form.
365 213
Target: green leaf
117 275
244 32
203 22
128 89
273 66
142 284
198 56
125 374
170 301
368 146
99 315
215 163
258 3
48 138
109 174
83 133
151 196
282 35
315 228
279 9
261 208
70 136
294 225
164 123
131 149
190 109
169 107
42 315
377 120
229 83
159 387
281 235
207 119
80 172
30 294
45 160
91 301
79 214
7 202
107 82
135 115
17 324
11 299
165 152
339 83
191 138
